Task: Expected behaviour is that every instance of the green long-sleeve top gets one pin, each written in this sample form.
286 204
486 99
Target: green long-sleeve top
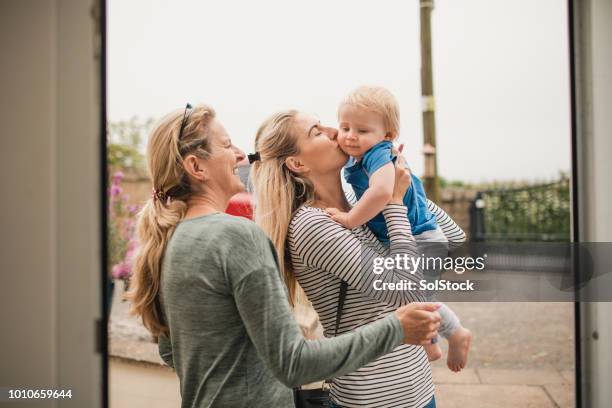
233 340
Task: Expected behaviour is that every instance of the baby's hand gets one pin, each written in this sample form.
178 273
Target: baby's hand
340 217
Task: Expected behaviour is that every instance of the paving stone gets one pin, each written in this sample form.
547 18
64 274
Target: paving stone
446 376
492 396
519 376
137 385
563 395
518 335
136 351
569 376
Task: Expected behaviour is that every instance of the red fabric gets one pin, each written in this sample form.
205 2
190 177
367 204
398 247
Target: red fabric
241 205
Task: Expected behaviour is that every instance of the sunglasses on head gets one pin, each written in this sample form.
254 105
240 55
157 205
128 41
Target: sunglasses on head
185 119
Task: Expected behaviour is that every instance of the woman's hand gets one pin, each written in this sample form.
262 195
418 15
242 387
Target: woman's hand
420 322
402 179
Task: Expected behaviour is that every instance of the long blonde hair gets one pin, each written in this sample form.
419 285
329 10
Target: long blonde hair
162 212
279 192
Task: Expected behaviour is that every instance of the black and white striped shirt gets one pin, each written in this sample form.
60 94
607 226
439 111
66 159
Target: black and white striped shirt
323 253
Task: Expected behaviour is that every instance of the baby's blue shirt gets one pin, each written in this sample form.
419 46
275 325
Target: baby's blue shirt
357 174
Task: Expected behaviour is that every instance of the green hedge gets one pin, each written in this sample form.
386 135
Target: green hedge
531 213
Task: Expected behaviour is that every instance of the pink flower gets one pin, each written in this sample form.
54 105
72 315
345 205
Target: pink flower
132 247
122 222
117 177
121 271
115 190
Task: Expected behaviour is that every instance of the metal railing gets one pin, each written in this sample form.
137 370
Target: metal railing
536 213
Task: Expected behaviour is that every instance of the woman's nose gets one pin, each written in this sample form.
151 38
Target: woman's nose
331 132
240 156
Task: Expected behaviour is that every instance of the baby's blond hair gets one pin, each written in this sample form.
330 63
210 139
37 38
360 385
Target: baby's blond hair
379 100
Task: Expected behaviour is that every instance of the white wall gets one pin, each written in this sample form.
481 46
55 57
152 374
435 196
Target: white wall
49 198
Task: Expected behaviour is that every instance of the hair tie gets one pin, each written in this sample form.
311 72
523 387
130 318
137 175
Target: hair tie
254 157
159 195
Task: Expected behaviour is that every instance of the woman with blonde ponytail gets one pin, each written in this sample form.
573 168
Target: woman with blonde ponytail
207 284
296 177
166 207
280 192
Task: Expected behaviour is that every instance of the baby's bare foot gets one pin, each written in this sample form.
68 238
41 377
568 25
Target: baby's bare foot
433 352
458 348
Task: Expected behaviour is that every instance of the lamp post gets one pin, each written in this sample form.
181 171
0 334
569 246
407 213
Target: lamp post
430 175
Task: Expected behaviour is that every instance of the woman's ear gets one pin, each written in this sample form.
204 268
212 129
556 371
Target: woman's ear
296 165
196 168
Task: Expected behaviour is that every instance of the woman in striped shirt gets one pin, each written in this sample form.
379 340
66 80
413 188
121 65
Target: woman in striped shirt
297 176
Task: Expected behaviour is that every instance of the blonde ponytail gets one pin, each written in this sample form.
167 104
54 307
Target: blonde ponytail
162 212
279 192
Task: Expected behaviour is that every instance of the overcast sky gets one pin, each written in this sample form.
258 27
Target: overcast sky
500 71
